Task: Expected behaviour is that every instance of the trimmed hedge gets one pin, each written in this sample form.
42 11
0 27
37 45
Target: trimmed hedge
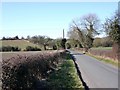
104 54
23 72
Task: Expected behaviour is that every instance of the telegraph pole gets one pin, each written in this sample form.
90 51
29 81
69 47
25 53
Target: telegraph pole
63 40
63 34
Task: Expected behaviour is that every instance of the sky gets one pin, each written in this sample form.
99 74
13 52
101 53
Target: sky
48 18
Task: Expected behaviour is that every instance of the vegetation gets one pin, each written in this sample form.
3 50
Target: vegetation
9 48
68 46
58 43
30 48
63 43
19 43
54 47
23 72
40 40
84 30
102 48
103 53
106 60
102 42
73 43
41 70
11 38
112 28
65 77
48 42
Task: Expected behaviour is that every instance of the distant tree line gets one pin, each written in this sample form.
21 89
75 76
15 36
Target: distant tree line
102 42
59 43
10 38
47 42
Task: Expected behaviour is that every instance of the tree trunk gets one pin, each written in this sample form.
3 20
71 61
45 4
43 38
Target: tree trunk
44 47
85 50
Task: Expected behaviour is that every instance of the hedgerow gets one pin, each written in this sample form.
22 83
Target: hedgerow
9 48
30 48
102 53
23 72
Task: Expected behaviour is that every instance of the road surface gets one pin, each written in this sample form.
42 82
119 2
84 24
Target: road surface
96 74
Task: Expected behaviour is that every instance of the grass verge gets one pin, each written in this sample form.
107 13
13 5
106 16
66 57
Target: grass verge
102 48
66 76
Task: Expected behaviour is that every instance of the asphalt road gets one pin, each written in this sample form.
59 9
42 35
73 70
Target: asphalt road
96 74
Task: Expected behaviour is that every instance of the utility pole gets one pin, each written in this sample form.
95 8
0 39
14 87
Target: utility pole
63 34
63 41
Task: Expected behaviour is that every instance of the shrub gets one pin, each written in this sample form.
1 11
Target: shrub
102 42
68 46
9 48
54 47
6 48
16 49
63 43
30 48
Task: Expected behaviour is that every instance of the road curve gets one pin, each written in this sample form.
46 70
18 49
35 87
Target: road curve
95 73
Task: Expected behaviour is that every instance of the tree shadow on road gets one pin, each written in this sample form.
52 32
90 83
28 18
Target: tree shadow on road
77 54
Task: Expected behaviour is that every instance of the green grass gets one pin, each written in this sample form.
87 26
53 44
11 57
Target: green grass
20 43
115 63
65 77
102 48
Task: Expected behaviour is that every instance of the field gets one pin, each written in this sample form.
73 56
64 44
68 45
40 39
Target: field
20 43
7 55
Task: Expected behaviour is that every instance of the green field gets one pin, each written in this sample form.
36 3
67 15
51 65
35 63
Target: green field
20 43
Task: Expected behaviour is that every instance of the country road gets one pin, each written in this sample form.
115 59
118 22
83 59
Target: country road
96 74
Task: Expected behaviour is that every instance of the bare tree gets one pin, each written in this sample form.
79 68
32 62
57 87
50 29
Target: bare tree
41 40
85 29
90 23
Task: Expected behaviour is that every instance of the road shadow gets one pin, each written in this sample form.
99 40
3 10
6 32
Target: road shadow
77 54
74 53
